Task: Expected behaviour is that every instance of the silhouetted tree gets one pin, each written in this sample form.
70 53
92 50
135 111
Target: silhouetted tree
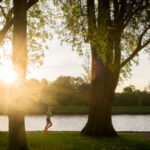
116 31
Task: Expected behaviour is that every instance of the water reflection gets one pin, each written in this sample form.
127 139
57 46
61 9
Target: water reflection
77 122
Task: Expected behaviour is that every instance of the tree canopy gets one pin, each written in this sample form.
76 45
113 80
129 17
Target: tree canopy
37 32
129 18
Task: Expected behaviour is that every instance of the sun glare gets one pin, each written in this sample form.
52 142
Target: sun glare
7 73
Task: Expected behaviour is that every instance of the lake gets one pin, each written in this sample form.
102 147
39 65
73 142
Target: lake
77 122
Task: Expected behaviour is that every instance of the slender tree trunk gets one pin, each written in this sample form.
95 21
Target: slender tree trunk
17 136
103 84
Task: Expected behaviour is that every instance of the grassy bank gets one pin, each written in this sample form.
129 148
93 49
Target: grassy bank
68 110
74 141
85 109
131 110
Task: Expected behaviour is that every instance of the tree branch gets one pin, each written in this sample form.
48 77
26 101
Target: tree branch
5 30
9 22
123 8
131 13
31 3
103 13
145 44
138 48
116 9
91 18
3 12
130 9
130 57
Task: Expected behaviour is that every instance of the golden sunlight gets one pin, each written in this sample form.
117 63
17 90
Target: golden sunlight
7 73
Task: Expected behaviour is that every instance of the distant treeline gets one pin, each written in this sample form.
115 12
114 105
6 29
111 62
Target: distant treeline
69 91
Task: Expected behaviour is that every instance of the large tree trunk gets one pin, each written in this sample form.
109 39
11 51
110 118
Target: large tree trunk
103 84
17 136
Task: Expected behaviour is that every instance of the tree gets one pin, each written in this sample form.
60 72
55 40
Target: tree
68 90
129 89
36 33
17 137
116 32
33 20
64 90
17 17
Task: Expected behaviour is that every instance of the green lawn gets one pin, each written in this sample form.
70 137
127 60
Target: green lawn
84 110
74 141
131 110
115 110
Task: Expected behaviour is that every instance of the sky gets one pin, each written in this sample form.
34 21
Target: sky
61 60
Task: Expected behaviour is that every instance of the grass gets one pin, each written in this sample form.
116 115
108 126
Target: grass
84 110
115 110
74 141
131 110
71 109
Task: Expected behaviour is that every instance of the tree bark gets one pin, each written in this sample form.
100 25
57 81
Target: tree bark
103 84
17 136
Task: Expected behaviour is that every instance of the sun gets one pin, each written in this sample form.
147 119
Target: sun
7 73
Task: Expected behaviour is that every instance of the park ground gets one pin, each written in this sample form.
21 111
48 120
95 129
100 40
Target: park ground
75 141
